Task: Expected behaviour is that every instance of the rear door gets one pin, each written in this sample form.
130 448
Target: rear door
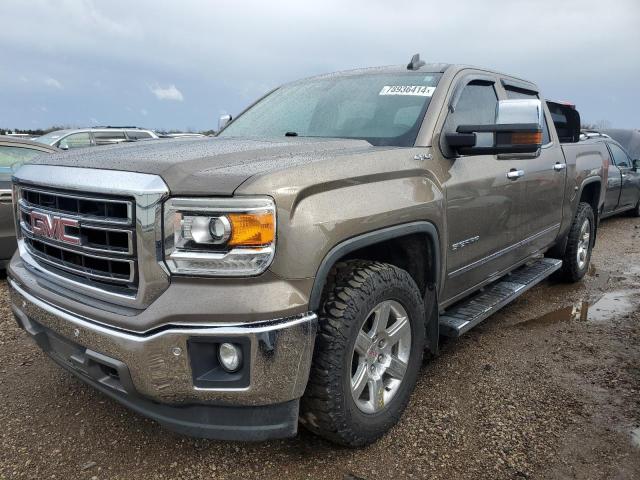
482 204
543 181
629 178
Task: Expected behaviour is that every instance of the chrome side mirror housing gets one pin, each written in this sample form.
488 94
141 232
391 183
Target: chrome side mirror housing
520 111
517 130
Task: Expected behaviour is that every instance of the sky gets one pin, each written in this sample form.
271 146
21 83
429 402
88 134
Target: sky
181 64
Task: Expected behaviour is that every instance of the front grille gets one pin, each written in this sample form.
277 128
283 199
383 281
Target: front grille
84 237
113 211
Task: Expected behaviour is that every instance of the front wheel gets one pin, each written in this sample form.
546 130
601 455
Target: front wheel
368 353
575 262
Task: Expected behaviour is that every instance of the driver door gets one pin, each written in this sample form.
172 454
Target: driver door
483 206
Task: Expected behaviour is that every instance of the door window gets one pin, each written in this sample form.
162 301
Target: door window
109 138
137 134
620 158
477 105
76 140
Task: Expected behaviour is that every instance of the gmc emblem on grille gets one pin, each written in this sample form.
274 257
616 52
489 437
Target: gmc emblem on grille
54 227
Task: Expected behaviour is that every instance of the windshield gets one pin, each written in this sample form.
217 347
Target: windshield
384 109
50 138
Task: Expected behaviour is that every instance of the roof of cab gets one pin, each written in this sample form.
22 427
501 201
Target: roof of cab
426 68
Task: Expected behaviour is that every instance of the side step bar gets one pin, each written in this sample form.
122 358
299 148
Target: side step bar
466 314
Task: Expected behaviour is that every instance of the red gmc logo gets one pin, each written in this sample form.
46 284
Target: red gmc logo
54 227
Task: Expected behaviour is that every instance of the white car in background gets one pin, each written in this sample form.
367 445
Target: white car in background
92 137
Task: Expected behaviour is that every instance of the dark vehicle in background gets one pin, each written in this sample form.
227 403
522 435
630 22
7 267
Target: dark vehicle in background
628 139
623 183
13 150
95 136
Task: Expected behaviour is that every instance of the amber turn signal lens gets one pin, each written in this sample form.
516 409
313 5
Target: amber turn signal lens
528 138
251 229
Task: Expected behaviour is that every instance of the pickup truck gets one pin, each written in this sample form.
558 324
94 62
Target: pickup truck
295 269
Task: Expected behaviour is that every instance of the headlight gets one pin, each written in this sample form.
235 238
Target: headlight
219 236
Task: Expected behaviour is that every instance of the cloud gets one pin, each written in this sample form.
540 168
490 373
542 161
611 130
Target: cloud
52 82
168 93
134 49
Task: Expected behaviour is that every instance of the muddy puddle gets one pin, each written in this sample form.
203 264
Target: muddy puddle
609 306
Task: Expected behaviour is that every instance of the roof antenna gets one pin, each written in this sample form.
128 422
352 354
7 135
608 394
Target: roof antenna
415 62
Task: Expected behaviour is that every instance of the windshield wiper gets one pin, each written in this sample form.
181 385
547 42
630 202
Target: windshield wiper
291 134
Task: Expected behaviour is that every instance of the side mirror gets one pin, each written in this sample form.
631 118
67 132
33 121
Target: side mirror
63 146
223 121
518 129
636 164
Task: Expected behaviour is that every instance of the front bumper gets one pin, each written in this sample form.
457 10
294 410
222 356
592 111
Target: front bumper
155 375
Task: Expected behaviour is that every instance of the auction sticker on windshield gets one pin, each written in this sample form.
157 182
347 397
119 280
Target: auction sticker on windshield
417 90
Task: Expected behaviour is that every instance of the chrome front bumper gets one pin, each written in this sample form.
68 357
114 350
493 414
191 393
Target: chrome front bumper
158 365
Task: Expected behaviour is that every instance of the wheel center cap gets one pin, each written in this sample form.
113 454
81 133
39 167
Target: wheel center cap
372 354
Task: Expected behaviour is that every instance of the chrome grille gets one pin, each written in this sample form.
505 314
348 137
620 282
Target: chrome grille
103 252
97 209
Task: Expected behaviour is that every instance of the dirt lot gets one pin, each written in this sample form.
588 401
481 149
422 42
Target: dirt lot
548 388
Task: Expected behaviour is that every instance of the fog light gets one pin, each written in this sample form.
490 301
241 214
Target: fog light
230 356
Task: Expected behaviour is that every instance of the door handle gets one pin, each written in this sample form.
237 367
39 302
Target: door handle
514 174
559 166
624 175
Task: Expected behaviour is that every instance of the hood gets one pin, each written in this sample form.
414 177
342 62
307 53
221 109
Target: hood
212 166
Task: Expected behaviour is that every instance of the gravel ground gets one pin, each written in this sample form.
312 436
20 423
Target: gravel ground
547 388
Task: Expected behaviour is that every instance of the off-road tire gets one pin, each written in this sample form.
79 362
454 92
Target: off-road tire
354 288
571 270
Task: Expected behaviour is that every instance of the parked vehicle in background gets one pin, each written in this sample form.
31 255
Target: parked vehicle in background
629 140
623 179
379 208
18 135
91 137
14 150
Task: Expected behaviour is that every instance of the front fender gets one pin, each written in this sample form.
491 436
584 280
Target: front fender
325 216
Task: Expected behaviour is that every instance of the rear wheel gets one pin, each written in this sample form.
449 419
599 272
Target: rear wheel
368 353
575 262
636 211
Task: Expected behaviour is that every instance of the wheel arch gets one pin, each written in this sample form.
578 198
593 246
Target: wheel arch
590 191
414 247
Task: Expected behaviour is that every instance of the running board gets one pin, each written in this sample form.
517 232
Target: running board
466 314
